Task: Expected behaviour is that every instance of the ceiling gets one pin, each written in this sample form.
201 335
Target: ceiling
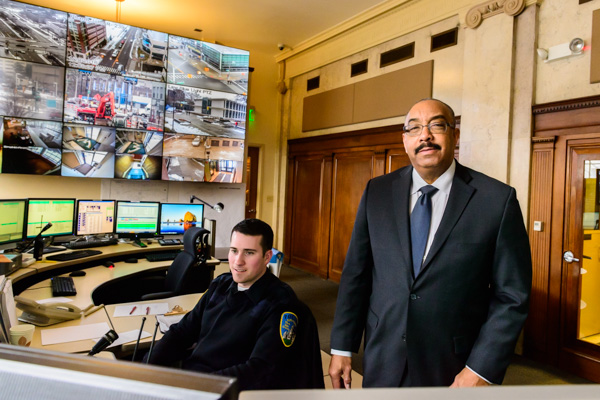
258 25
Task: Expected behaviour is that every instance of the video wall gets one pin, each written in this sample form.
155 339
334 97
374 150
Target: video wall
85 97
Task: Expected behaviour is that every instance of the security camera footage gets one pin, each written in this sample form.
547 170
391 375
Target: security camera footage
85 97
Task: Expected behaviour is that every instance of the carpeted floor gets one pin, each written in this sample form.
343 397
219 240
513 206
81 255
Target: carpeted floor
320 295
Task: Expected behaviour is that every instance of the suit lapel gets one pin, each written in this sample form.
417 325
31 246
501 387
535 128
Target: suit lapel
460 194
401 195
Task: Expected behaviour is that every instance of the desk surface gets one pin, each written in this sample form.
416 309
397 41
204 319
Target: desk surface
85 285
95 276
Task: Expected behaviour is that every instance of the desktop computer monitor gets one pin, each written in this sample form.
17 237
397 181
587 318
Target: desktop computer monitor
176 218
95 217
12 221
59 212
137 219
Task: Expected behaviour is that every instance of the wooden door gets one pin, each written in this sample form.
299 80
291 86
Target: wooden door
351 172
307 239
579 349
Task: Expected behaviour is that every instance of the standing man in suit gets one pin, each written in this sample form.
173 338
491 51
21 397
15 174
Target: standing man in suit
438 270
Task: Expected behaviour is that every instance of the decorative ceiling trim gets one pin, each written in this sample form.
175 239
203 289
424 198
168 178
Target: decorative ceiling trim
477 14
567 105
550 139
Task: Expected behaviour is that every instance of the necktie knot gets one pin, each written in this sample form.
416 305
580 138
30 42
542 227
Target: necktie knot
428 190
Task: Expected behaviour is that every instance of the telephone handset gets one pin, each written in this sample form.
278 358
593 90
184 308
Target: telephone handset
46 314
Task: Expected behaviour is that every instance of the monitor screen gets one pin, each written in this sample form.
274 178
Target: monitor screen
137 219
12 219
95 217
175 218
59 212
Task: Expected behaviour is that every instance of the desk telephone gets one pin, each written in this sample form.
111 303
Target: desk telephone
47 314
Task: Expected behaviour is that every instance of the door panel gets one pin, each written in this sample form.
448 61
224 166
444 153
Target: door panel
351 173
310 214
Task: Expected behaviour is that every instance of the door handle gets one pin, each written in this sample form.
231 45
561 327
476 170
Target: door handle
568 257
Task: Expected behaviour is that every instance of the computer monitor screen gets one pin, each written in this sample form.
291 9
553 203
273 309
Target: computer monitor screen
175 218
59 212
95 217
137 219
12 219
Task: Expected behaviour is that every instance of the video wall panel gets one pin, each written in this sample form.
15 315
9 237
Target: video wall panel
85 97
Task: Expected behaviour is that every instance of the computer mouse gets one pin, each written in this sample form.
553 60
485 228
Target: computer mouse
77 273
109 264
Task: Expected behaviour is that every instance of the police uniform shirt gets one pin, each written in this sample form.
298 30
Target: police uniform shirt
247 334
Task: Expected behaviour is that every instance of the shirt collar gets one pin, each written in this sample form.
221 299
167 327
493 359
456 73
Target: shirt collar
443 183
258 289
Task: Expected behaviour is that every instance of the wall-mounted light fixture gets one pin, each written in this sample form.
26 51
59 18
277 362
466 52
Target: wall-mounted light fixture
217 207
575 47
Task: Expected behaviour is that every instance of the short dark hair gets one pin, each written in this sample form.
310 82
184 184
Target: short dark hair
256 227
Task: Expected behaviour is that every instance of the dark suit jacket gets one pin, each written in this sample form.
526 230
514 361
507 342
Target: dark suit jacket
469 302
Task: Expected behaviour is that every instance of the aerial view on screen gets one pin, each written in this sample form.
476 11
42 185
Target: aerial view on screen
31 33
205 112
109 100
31 146
105 46
207 65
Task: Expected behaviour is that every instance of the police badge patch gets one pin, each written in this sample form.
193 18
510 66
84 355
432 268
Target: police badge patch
287 328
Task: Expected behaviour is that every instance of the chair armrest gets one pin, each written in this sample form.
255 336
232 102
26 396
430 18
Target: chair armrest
159 295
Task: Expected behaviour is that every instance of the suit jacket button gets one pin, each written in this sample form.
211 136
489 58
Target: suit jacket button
413 296
404 337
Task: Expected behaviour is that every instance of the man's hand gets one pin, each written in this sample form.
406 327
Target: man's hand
465 378
340 371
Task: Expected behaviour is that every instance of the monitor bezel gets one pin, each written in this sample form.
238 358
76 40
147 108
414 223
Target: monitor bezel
199 223
26 237
76 218
24 230
135 235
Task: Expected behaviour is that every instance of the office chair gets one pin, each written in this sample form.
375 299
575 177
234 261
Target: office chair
187 274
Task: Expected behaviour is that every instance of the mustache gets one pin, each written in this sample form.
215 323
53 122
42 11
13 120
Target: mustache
428 144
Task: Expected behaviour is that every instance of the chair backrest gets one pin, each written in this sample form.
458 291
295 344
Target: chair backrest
192 254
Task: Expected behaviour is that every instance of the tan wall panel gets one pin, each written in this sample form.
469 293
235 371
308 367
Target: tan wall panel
392 95
595 63
328 109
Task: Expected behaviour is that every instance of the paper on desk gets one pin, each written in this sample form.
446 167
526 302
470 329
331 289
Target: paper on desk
54 300
73 333
165 321
126 337
141 309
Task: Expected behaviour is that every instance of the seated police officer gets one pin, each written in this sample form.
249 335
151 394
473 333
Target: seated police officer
248 324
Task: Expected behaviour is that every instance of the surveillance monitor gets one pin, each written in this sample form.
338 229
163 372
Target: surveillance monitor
58 212
95 217
137 220
12 220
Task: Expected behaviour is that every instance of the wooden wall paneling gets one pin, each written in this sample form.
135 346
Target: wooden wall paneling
379 159
396 158
540 210
595 48
289 209
306 214
351 172
567 117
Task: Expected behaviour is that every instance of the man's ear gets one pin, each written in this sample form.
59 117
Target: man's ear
268 255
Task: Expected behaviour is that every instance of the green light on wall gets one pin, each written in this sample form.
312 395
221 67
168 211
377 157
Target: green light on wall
251 114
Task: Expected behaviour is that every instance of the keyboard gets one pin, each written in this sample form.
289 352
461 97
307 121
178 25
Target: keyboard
63 286
86 244
74 255
168 242
162 256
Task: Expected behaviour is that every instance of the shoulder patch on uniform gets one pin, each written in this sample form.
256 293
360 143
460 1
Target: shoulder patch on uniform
287 328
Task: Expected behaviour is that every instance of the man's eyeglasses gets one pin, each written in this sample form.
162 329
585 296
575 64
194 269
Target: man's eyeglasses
437 128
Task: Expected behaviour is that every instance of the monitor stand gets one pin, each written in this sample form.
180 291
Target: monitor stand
53 249
138 243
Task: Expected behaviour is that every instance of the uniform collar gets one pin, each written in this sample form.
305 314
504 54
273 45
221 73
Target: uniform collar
258 290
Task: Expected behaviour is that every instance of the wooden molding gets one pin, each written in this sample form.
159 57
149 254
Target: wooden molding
477 14
550 139
566 105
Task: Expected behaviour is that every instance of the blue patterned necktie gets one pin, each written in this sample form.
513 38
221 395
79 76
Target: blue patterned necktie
420 219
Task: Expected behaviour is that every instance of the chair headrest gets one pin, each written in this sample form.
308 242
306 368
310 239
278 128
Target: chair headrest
190 236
